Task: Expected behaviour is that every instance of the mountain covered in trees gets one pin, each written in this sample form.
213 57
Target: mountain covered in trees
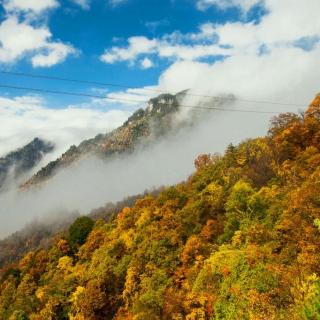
143 127
38 235
239 239
19 162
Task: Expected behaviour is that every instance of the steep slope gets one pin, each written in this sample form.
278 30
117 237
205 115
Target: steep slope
143 127
38 235
19 162
240 239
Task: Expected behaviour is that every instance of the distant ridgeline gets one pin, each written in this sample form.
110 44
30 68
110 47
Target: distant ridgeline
17 163
239 239
144 126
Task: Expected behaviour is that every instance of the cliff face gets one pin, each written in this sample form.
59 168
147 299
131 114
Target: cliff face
143 127
19 162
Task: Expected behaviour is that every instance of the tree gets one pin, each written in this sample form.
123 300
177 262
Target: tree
79 231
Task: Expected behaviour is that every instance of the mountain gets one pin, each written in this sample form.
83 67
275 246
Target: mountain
40 234
17 163
143 127
239 239
160 118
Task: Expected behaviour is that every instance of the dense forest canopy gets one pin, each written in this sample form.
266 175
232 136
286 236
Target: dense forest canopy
238 240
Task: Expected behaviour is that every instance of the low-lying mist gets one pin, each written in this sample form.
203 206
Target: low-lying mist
92 182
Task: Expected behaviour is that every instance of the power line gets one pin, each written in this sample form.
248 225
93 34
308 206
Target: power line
109 84
124 99
69 93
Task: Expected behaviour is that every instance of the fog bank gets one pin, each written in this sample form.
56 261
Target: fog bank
92 182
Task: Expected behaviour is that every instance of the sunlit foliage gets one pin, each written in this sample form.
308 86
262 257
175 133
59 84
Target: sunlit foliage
240 239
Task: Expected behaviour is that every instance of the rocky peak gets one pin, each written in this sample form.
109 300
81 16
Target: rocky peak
22 160
143 126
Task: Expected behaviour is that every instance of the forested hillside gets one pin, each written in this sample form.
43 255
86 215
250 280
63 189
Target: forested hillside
38 234
240 239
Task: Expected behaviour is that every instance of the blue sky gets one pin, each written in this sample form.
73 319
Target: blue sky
102 25
263 52
254 49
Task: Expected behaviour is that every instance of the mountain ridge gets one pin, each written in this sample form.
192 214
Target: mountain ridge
20 161
143 126
239 239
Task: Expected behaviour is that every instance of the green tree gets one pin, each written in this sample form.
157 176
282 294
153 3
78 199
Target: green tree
79 231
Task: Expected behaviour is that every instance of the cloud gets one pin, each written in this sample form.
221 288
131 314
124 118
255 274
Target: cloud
274 59
84 4
53 53
26 117
146 63
175 46
285 75
277 28
36 6
154 25
20 39
136 46
193 52
29 37
92 182
283 71
115 3
137 97
244 5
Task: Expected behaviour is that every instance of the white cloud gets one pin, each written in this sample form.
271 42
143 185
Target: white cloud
261 59
244 5
146 63
20 39
91 182
281 27
36 6
137 97
136 47
84 4
115 3
190 52
26 117
283 73
171 46
207 31
24 34
54 53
